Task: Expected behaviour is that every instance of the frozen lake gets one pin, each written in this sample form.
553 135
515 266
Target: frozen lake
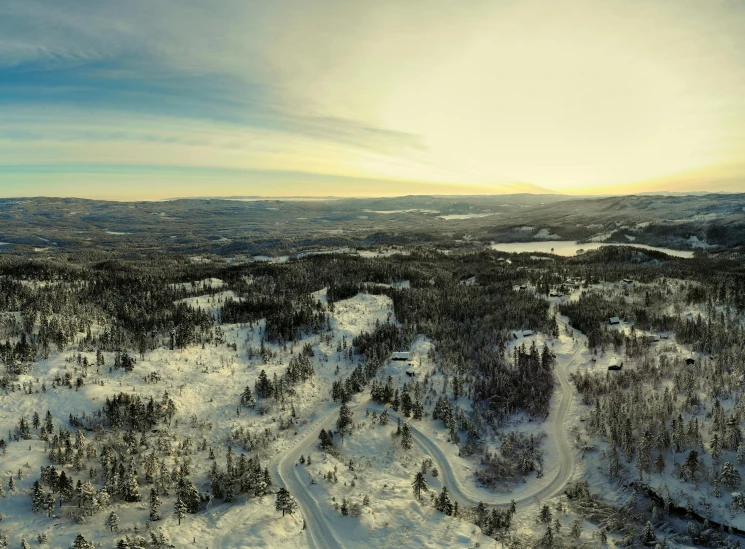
569 248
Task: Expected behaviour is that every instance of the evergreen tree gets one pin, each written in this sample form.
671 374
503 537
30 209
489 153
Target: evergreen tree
155 504
406 437
419 485
327 440
112 521
443 503
730 476
131 487
264 388
49 504
81 543
189 494
247 398
548 538
648 536
659 464
179 510
576 528
482 514
285 502
37 497
690 466
344 423
545 514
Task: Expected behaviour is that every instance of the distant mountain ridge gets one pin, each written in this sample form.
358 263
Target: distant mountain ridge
270 225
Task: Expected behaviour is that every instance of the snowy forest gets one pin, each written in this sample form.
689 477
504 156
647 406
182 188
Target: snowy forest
465 398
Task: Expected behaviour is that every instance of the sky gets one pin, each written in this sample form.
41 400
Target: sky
152 99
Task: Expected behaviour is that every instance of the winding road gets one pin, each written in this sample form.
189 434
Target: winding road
321 534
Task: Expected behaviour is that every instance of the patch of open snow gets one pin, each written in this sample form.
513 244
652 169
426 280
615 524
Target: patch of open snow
413 210
382 253
600 237
451 217
268 259
696 243
544 234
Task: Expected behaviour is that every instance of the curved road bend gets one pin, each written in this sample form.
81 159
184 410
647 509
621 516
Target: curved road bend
320 533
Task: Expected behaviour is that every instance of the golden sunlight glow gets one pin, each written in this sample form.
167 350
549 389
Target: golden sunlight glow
496 96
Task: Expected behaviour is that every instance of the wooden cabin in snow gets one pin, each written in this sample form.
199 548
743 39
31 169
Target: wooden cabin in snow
615 365
614 320
401 356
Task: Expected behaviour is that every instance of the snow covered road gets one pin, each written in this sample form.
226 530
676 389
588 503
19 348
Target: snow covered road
320 533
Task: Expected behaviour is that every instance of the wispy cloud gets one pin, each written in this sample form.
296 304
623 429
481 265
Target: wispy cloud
582 96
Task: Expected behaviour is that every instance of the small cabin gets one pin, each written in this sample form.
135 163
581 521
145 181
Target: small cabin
615 365
690 361
628 281
410 372
523 288
401 356
614 320
556 294
522 334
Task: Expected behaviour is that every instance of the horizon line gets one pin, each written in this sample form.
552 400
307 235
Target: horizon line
322 198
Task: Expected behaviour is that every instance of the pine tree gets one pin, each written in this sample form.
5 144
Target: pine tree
189 494
482 514
545 515
690 467
384 418
131 487
648 536
112 522
179 510
160 540
24 544
285 502
344 423
443 503
419 485
264 387
49 504
155 504
730 476
247 398
81 543
406 438
659 464
715 448
576 528
548 538
37 497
